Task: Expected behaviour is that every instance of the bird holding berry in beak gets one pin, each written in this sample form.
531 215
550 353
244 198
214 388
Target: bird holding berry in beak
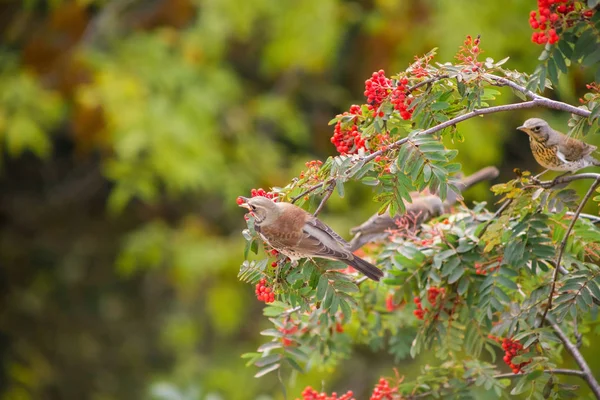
297 234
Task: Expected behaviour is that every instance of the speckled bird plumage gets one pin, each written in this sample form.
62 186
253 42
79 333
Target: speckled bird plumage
422 208
556 151
297 234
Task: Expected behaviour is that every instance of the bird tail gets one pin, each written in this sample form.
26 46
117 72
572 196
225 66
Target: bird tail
366 268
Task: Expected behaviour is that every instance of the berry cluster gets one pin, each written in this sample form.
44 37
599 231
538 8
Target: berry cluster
383 391
433 293
468 54
389 302
400 99
512 348
264 292
311 394
377 89
419 68
488 267
287 332
262 192
313 169
553 15
346 137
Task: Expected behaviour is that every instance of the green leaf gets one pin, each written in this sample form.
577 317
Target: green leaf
592 58
266 370
322 287
267 360
552 71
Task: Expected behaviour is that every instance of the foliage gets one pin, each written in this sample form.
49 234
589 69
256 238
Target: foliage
479 280
128 126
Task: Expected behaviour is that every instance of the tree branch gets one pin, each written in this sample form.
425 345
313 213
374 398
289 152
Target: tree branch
557 371
328 193
536 101
540 100
576 354
568 178
563 244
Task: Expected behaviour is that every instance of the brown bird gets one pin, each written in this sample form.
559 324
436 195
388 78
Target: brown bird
297 234
422 209
556 151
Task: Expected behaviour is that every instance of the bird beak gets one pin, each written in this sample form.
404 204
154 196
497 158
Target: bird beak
244 203
521 128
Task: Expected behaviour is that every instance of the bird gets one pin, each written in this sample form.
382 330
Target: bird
297 234
556 151
421 209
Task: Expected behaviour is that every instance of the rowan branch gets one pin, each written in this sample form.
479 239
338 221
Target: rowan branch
563 243
557 371
568 178
541 100
536 101
578 357
328 193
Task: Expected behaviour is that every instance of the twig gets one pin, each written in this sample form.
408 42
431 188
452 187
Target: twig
427 82
576 354
558 371
326 197
541 100
311 189
567 179
563 244
495 216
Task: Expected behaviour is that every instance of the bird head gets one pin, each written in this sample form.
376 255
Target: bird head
263 209
536 128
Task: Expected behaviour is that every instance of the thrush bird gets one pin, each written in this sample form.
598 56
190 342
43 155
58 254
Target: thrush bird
297 234
421 209
556 151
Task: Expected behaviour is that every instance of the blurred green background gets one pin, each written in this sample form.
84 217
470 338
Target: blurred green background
128 128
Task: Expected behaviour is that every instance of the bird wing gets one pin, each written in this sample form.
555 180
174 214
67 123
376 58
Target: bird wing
312 221
572 149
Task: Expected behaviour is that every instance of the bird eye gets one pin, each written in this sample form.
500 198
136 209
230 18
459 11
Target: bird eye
536 129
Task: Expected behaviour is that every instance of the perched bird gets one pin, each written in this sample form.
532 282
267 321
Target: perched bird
556 151
421 209
297 234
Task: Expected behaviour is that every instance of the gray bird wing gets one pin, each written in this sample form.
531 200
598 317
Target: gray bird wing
322 241
311 241
320 225
572 149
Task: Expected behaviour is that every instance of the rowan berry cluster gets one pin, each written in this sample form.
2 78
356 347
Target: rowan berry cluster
549 15
433 294
488 267
377 89
383 391
512 348
346 137
312 171
262 192
389 302
400 99
552 16
468 54
292 329
419 68
264 292
311 394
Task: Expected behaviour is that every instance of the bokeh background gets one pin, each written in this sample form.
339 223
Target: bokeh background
128 128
